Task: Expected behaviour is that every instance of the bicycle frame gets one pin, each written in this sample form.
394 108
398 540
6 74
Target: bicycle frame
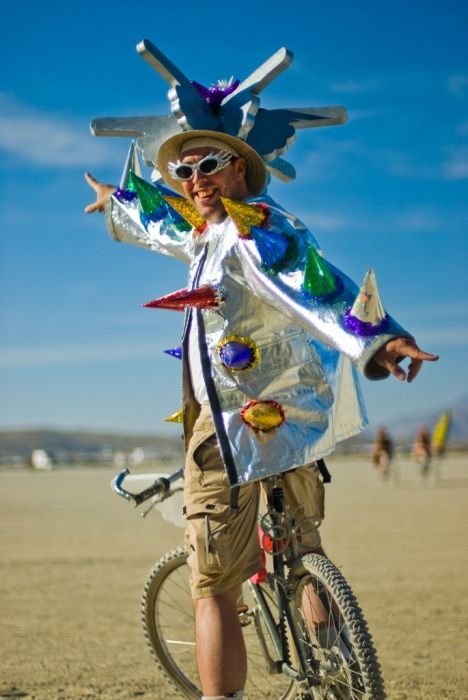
306 620
282 557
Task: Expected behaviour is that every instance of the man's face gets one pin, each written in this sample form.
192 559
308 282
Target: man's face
205 191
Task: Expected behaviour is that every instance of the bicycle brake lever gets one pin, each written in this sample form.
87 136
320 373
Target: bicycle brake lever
161 485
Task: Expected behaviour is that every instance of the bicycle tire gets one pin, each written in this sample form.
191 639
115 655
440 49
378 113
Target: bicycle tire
167 617
342 656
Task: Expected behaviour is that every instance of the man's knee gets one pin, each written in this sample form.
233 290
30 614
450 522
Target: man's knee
224 600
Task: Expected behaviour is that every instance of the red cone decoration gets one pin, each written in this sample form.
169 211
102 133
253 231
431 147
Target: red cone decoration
205 297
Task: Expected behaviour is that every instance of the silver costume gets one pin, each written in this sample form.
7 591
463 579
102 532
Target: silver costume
305 371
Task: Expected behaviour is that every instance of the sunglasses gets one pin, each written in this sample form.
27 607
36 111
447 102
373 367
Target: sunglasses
209 165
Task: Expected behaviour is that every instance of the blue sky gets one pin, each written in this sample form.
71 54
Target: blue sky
388 190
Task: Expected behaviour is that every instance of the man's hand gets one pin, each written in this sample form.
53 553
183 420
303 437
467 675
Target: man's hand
393 352
103 192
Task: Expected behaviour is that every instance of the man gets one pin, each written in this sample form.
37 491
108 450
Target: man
269 367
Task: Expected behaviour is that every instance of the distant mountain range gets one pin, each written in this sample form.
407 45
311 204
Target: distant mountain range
72 446
405 428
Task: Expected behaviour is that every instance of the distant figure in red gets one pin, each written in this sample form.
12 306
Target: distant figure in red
382 452
422 452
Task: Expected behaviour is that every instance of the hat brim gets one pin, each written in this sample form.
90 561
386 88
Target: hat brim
169 152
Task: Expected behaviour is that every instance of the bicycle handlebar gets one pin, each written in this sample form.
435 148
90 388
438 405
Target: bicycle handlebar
159 487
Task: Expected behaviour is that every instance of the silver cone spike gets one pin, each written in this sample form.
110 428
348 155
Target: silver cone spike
132 162
367 306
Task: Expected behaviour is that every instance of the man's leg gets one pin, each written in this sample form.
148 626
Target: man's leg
221 656
304 487
223 552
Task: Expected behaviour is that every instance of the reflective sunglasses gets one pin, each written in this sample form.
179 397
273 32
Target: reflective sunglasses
209 165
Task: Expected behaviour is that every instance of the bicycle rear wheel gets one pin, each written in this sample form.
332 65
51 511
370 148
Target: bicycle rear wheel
168 622
340 658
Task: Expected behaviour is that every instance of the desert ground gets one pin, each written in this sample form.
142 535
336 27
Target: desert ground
74 558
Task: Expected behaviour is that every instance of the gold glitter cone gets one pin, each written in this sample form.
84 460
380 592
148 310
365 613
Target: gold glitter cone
176 417
185 209
243 215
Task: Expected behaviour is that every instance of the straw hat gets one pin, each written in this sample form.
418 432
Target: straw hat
170 152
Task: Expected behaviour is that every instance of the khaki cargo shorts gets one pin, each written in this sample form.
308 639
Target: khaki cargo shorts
223 544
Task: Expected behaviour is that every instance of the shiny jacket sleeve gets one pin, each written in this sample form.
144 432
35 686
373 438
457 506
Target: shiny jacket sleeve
323 318
126 224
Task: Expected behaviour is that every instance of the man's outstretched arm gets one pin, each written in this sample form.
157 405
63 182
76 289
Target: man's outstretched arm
392 353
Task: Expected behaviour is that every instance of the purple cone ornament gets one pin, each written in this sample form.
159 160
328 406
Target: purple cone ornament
367 315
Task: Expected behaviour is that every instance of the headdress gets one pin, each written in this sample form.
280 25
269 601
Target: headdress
231 108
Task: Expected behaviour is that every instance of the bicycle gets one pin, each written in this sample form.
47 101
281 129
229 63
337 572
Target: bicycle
305 634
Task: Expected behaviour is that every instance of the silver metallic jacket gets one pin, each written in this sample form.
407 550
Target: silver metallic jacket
300 394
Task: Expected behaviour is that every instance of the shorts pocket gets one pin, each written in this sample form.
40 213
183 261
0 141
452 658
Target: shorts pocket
207 463
207 537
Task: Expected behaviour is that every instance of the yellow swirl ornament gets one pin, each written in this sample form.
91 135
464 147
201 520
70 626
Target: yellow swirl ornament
263 415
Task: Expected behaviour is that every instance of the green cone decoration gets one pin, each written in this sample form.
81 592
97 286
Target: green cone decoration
319 280
149 196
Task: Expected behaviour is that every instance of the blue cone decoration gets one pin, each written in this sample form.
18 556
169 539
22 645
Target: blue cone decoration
274 248
175 352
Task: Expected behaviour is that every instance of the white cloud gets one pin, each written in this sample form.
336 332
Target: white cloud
458 85
329 223
356 86
46 139
456 165
416 220
419 220
462 128
327 159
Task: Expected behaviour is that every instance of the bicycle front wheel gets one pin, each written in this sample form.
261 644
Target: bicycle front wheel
332 635
168 622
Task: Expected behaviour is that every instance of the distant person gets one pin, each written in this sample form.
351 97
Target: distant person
382 452
440 434
422 452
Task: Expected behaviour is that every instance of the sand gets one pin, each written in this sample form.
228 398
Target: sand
74 559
